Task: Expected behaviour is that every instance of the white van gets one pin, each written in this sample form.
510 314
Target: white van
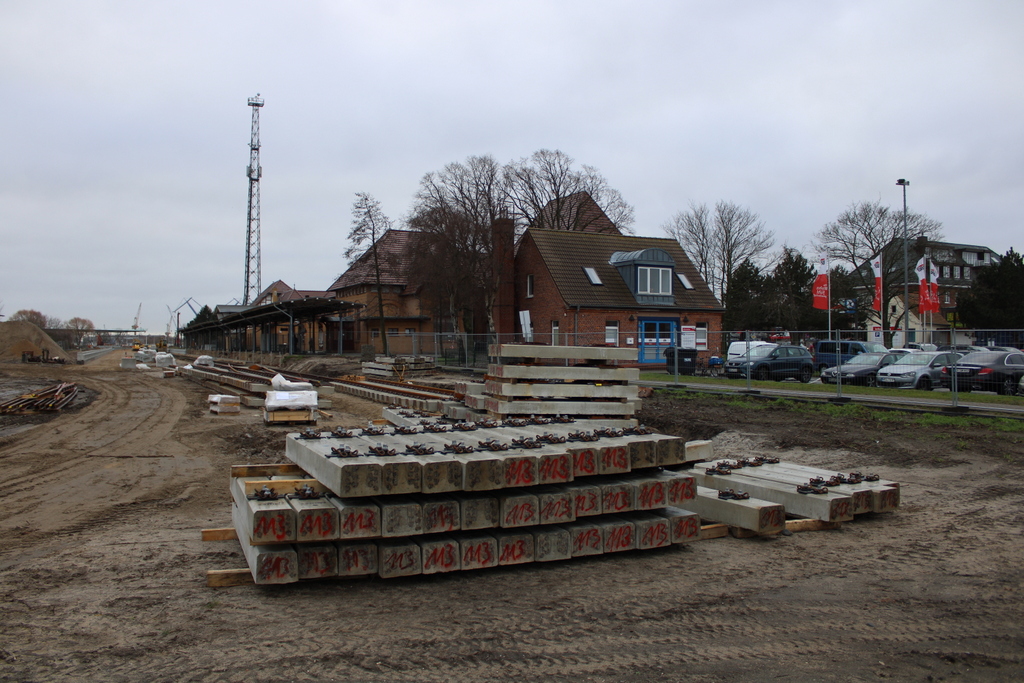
738 349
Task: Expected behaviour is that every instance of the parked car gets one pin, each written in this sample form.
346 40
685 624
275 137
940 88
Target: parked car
861 369
1008 349
997 371
921 370
962 348
829 353
921 346
737 349
773 362
904 351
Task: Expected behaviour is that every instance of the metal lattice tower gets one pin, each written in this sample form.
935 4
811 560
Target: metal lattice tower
252 233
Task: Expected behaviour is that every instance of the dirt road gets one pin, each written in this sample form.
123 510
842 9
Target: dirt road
102 570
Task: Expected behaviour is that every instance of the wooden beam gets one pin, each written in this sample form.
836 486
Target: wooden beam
223 578
223 534
275 470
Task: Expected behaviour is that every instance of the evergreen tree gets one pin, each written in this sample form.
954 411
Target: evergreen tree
994 300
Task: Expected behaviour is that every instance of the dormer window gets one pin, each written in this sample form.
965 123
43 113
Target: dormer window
592 276
653 280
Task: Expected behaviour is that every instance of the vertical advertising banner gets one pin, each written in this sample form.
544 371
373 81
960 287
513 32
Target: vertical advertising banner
820 289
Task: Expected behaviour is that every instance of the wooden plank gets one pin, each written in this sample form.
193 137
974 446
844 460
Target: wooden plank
224 578
709 531
811 525
274 470
222 534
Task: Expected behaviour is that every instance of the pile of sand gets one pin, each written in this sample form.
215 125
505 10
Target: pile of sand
17 337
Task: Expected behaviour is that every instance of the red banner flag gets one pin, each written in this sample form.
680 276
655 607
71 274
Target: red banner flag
821 293
876 269
924 292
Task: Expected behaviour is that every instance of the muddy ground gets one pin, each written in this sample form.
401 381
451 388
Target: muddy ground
102 570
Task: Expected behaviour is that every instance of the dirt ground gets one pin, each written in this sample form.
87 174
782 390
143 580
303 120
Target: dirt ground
102 570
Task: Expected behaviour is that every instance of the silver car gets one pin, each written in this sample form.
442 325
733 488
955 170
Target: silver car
922 370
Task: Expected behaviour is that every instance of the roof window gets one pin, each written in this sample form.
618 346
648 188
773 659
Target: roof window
684 280
592 275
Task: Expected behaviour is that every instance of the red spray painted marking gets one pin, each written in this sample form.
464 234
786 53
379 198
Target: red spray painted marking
440 518
274 526
317 524
555 468
686 527
316 562
274 567
556 509
361 521
655 536
519 473
616 501
620 538
681 489
771 518
441 556
583 462
479 554
840 509
590 538
399 560
615 458
523 513
513 552
652 495
356 558
586 501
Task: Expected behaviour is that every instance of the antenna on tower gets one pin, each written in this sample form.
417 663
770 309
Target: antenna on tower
252 233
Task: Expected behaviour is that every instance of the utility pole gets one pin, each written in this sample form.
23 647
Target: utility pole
252 233
906 267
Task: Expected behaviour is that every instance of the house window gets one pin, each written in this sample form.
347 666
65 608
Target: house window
392 330
945 271
529 286
592 275
702 336
554 334
410 331
684 281
967 272
654 280
945 298
956 272
611 332
374 334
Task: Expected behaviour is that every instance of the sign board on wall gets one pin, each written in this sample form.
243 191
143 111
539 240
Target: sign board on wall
688 337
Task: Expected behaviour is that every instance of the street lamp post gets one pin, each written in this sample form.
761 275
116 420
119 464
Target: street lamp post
906 265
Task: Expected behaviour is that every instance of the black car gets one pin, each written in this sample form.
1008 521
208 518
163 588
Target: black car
997 371
861 369
773 362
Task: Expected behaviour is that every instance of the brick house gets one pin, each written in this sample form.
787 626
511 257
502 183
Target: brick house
405 313
587 287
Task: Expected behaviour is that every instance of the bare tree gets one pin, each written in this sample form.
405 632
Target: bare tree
867 229
368 225
718 243
29 315
541 191
79 327
456 209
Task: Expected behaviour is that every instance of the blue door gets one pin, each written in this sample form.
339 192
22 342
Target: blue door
656 335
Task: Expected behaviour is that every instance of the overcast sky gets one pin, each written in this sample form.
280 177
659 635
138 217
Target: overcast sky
124 128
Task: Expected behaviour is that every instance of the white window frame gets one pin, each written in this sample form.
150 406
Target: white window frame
685 281
611 332
529 286
956 272
702 336
555 333
592 275
644 279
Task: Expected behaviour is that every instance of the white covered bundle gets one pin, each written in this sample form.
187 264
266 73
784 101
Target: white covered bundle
290 400
281 384
164 360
